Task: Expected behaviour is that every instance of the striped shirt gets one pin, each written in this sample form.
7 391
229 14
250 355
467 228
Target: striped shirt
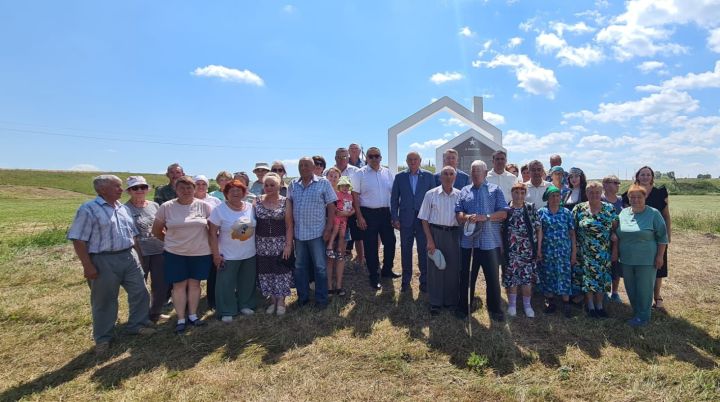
103 226
309 206
483 200
373 186
438 207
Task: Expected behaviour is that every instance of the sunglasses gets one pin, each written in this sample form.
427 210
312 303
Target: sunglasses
277 170
136 188
376 156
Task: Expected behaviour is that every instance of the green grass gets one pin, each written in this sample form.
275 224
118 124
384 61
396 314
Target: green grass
365 346
80 182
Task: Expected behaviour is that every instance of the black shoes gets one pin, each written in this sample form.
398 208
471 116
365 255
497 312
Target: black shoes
375 286
390 274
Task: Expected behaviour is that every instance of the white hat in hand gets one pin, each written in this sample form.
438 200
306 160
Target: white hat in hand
438 259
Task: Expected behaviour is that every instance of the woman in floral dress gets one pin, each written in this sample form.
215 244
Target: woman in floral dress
522 236
558 251
274 238
595 221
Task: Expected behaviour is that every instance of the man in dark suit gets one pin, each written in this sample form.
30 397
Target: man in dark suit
451 158
408 191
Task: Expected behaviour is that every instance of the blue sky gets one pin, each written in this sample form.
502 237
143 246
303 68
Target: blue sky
135 86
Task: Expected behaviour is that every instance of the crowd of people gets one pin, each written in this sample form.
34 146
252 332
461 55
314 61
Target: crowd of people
529 229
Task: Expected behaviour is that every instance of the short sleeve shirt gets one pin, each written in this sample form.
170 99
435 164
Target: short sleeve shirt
373 186
231 247
144 218
484 200
104 227
309 206
438 207
186 227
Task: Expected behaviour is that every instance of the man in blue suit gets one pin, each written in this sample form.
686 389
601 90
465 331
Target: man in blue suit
451 158
408 191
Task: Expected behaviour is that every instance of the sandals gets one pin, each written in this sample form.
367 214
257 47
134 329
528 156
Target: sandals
330 253
340 292
658 305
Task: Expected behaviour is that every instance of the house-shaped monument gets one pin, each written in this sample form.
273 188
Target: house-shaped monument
478 142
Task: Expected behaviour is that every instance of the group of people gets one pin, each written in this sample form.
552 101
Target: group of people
527 228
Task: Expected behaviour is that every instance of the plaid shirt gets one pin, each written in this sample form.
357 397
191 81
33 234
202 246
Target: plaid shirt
483 200
103 226
309 206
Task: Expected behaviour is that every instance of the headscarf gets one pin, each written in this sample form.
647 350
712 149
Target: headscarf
577 171
548 191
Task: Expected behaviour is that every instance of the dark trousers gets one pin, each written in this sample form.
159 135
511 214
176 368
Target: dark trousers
153 266
212 277
489 259
378 223
409 235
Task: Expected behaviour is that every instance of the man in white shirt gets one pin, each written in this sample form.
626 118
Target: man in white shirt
501 177
371 187
443 235
536 186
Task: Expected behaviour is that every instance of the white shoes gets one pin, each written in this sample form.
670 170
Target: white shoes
280 310
529 312
247 311
227 319
270 309
512 311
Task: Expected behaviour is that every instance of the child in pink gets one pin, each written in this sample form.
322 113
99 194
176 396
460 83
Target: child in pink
336 257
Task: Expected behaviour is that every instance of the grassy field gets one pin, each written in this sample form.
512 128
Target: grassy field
366 346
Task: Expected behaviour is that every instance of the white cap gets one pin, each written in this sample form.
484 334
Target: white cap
438 259
133 181
201 177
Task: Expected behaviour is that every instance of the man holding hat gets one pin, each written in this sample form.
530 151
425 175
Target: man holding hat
261 168
483 204
437 214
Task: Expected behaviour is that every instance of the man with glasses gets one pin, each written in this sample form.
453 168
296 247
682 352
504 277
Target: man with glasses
167 192
536 186
261 168
371 188
451 158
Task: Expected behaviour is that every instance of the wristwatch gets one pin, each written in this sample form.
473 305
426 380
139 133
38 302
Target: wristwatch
487 216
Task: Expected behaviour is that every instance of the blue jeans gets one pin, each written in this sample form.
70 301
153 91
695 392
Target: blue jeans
310 254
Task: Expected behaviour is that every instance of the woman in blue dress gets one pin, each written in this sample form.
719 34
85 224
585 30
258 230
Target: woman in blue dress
558 251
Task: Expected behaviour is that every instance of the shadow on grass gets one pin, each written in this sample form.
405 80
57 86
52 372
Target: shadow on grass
508 345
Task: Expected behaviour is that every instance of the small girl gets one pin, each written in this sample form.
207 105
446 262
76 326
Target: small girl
335 264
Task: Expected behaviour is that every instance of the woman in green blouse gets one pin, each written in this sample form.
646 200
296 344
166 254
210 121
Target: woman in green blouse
642 236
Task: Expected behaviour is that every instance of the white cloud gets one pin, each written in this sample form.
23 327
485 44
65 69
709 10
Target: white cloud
430 144
289 8
452 121
531 77
517 141
466 32
708 79
515 42
527 25
229 74
85 167
441 78
568 55
579 128
485 47
657 107
596 141
645 28
578 28
714 40
494 118
648 66
549 42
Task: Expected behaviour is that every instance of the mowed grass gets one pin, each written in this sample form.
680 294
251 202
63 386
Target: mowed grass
366 346
696 212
